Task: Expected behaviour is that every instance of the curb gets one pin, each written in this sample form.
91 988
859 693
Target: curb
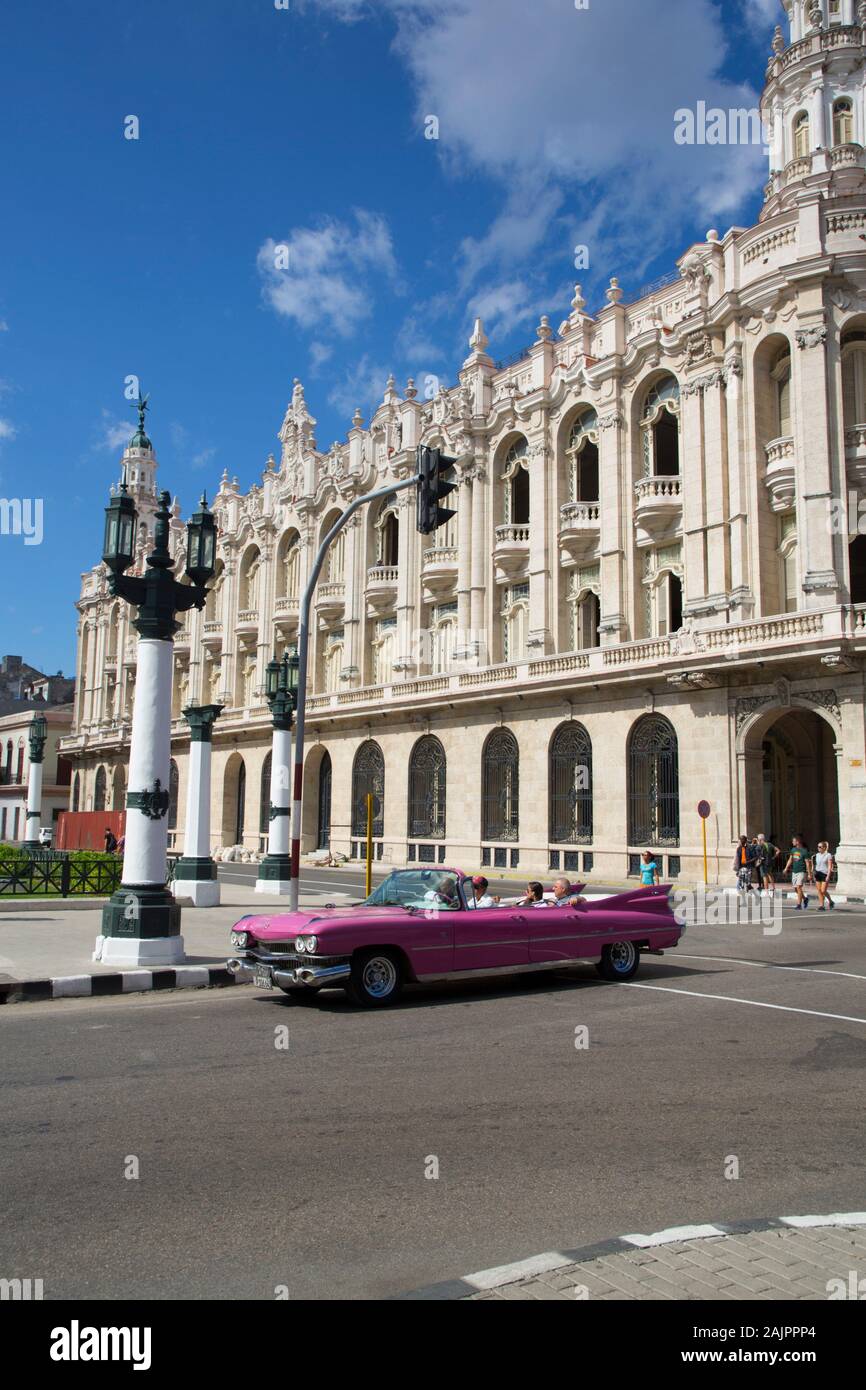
48 903
118 982
550 1260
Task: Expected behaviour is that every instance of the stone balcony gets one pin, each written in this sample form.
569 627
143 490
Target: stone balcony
781 474
287 605
855 455
439 569
381 591
212 633
658 508
579 531
248 620
330 600
511 551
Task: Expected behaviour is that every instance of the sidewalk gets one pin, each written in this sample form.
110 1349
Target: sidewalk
50 942
790 1258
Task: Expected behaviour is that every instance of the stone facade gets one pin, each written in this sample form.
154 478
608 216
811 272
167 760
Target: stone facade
655 542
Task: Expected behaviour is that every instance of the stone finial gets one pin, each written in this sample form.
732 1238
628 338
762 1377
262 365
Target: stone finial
479 341
816 14
270 464
712 235
391 383
236 487
613 293
543 332
411 390
175 507
357 419
578 303
224 481
778 41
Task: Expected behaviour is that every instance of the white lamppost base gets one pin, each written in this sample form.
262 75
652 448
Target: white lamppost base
136 951
277 887
200 892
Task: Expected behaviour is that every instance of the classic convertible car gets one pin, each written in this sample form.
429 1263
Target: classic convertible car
416 926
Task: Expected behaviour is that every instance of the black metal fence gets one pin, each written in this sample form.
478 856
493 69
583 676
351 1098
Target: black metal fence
54 873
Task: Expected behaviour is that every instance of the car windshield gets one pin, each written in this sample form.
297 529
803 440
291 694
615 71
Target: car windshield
422 888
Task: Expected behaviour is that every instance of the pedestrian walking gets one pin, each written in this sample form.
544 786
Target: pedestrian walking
800 865
110 840
823 869
744 861
649 870
766 854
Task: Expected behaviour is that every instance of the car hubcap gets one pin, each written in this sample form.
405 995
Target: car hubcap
622 956
380 977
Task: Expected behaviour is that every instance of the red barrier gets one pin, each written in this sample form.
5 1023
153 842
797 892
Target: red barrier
86 829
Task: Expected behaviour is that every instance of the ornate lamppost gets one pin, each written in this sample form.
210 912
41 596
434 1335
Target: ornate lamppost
195 873
281 693
37 736
141 923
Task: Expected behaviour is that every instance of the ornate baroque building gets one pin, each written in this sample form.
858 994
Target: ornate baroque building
653 590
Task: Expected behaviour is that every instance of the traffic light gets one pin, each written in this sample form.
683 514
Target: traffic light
432 486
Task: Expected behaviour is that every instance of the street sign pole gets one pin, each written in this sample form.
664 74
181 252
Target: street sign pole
704 809
369 880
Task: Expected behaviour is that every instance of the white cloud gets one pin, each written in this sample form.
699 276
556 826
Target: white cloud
4 327
507 306
763 14
320 277
320 353
362 385
7 430
414 343
203 457
113 433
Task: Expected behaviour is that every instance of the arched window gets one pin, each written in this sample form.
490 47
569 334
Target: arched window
857 561
334 569
571 786
444 636
660 430
241 804
76 792
516 476
332 659
383 651
802 144
368 779
586 616
582 456
265 797
323 835
854 378
388 531
668 604
500 763
843 121
248 588
212 613
515 621
173 789
9 755
427 788
289 566
99 790
653 783
780 373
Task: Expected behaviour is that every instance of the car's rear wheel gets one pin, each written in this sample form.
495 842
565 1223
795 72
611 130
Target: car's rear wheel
619 961
376 979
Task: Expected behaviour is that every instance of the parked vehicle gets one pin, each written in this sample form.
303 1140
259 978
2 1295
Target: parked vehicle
416 927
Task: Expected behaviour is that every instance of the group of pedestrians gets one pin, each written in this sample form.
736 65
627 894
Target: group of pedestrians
755 860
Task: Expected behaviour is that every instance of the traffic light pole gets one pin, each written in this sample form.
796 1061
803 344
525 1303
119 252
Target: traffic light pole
303 644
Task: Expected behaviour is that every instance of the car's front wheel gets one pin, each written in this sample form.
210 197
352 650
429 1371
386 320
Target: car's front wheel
619 961
376 979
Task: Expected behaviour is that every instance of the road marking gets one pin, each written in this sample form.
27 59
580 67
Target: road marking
673 1234
522 1269
771 965
836 1218
755 1004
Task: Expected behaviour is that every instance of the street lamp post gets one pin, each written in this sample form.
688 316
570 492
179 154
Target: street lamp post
195 873
281 692
37 736
141 922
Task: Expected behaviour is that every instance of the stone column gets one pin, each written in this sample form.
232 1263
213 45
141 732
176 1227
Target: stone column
815 486
195 874
34 783
614 476
482 544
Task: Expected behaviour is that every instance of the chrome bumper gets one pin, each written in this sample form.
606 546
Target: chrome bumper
297 977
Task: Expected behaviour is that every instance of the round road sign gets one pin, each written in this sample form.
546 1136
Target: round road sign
703 809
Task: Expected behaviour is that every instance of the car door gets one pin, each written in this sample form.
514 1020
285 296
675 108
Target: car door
490 938
558 933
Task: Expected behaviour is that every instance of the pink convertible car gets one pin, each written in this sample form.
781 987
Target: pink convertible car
416 927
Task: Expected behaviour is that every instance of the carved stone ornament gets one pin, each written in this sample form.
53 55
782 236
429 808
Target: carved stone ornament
811 337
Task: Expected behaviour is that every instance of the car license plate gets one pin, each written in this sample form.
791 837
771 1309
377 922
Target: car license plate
262 977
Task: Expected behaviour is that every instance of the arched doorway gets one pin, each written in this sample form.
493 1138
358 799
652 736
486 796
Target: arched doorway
791 785
323 835
234 799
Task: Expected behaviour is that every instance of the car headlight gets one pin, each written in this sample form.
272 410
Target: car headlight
312 942
240 938
300 943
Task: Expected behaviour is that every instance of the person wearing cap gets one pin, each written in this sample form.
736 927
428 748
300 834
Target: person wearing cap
480 895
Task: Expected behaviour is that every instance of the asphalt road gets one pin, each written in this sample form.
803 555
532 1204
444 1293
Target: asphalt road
261 1167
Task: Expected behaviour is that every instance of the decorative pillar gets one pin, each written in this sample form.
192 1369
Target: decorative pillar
37 736
195 873
275 870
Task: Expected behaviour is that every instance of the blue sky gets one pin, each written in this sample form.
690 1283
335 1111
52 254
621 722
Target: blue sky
305 127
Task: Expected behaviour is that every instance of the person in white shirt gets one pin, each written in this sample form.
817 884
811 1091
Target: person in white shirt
822 868
534 896
480 896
